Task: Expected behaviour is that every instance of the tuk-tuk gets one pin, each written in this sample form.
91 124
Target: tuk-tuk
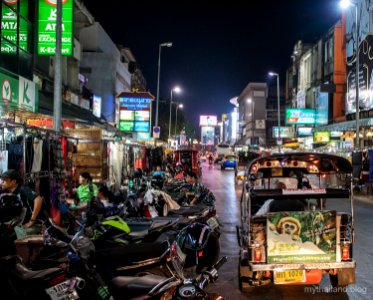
244 159
297 221
188 158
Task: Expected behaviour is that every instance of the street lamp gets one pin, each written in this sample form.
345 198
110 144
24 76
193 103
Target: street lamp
176 89
168 44
278 108
345 4
179 105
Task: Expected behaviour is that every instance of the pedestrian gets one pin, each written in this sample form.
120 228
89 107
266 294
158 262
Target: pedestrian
87 190
12 183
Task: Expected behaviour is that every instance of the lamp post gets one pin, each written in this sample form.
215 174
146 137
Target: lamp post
179 105
345 4
168 44
176 89
278 109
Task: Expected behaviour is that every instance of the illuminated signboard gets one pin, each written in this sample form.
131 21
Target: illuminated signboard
141 127
126 126
97 106
9 26
135 112
304 131
143 136
285 132
208 120
321 136
142 115
127 115
299 116
47 27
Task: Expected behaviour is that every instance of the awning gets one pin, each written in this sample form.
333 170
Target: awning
72 111
345 126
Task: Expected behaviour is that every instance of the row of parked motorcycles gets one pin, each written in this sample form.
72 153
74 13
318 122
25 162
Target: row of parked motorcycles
122 252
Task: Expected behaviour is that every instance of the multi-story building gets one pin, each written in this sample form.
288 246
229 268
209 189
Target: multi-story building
252 113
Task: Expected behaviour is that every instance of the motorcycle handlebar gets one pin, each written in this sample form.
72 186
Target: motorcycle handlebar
212 274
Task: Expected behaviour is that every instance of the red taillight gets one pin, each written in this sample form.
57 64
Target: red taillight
57 280
200 253
258 254
345 251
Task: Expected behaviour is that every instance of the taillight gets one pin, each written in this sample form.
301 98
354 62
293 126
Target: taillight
200 253
345 251
258 253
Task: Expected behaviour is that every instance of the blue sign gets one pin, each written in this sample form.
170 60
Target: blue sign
141 127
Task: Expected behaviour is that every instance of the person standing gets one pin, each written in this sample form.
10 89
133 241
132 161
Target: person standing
87 190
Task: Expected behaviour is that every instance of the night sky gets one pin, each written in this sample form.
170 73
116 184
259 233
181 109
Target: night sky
218 46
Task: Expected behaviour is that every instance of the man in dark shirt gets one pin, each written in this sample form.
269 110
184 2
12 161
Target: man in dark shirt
12 183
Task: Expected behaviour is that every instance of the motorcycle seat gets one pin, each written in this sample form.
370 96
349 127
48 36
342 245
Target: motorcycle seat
134 286
26 274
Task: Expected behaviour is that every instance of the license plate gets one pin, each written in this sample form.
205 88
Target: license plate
213 223
289 276
63 291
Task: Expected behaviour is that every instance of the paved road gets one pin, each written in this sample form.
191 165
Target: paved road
221 183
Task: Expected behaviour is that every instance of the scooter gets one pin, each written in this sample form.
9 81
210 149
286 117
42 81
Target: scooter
19 282
191 250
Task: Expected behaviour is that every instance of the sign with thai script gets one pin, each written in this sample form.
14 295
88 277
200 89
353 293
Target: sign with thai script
135 112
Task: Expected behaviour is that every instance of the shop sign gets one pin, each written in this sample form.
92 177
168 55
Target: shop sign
304 131
322 107
135 112
47 27
48 123
336 134
28 95
285 132
9 91
9 26
321 136
299 116
97 106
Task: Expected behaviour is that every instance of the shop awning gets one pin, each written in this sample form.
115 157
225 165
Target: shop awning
345 126
72 111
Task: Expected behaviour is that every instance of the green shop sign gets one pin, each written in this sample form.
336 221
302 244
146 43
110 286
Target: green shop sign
18 94
47 27
9 26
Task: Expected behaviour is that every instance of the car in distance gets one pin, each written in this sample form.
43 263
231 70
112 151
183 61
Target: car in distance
229 161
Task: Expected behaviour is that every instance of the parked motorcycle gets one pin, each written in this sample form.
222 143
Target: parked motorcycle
192 250
19 282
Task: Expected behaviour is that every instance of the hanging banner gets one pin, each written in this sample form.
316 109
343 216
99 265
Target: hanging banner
47 27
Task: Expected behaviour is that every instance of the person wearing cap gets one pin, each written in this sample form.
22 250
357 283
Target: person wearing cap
12 183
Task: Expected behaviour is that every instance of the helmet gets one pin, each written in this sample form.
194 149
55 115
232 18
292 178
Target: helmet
157 182
200 245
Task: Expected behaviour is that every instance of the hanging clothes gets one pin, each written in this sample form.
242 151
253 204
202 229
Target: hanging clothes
116 164
38 155
3 161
